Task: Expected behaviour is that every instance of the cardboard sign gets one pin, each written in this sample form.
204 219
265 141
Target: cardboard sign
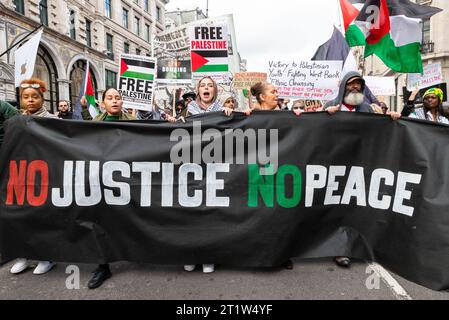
136 81
310 80
173 71
381 86
209 52
245 80
432 75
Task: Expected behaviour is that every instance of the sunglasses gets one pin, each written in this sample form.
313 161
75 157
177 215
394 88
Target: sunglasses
30 85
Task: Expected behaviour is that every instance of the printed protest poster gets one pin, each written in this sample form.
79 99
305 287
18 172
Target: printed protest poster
174 71
308 80
209 52
245 80
381 86
431 76
136 81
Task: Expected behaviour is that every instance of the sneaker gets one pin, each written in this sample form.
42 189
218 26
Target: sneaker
20 266
43 267
208 268
189 267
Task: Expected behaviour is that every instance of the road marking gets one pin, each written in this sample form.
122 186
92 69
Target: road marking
398 291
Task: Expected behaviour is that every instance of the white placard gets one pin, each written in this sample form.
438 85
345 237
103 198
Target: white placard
381 86
432 75
312 80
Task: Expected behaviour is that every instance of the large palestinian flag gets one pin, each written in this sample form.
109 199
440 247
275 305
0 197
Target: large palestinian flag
390 29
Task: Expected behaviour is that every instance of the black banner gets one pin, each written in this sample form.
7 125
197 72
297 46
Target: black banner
239 191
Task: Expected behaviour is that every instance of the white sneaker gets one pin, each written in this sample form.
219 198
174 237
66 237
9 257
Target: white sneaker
20 266
43 267
208 268
189 267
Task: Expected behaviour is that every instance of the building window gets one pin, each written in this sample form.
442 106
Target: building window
125 18
20 7
147 32
137 25
426 30
109 45
147 5
111 79
158 14
138 52
43 12
126 47
88 33
72 25
107 8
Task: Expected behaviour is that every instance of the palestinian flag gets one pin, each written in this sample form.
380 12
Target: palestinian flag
89 93
213 61
138 69
390 29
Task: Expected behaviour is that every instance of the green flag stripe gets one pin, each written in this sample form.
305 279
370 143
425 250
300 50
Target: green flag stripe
214 68
137 75
405 59
355 36
90 100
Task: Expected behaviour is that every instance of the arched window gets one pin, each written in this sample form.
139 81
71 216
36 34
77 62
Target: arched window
77 78
45 69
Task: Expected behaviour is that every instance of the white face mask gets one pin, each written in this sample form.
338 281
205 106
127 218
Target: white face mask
354 99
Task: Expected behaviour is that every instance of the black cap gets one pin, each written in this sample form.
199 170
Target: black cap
189 95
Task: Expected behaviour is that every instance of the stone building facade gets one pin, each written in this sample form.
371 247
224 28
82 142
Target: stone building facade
77 31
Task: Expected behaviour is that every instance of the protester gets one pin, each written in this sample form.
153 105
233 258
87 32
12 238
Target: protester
113 104
64 110
228 101
189 97
31 94
285 105
206 99
409 106
433 107
351 98
181 109
7 111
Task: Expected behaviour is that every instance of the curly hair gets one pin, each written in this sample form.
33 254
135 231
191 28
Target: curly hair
42 89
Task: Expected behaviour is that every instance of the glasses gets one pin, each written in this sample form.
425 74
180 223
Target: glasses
30 85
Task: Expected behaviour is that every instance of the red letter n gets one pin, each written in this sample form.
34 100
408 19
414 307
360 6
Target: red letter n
16 183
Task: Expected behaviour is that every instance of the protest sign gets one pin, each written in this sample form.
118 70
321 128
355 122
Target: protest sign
136 81
245 80
431 76
315 80
209 52
173 71
381 86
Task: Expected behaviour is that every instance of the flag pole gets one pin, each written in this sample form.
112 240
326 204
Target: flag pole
19 42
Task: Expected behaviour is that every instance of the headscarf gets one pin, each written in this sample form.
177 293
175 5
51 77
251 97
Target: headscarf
436 91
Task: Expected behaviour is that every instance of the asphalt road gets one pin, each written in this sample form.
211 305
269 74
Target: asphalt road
310 280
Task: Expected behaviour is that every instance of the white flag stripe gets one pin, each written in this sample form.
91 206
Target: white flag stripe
405 30
25 58
218 61
140 70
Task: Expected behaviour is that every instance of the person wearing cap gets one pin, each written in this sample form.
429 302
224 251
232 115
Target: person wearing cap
351 98
31 93
189 97
433 107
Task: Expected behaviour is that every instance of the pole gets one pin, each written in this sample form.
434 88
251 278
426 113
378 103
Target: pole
174 103
207 8
19 42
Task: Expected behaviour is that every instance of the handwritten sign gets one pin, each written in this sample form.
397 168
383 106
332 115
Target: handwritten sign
432 75
245 80
381 86
310 80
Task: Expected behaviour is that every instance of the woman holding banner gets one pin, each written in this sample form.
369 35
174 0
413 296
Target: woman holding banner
31 94
207 99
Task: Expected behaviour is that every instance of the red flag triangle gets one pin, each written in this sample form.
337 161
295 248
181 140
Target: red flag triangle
123 67
197 61
349 12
